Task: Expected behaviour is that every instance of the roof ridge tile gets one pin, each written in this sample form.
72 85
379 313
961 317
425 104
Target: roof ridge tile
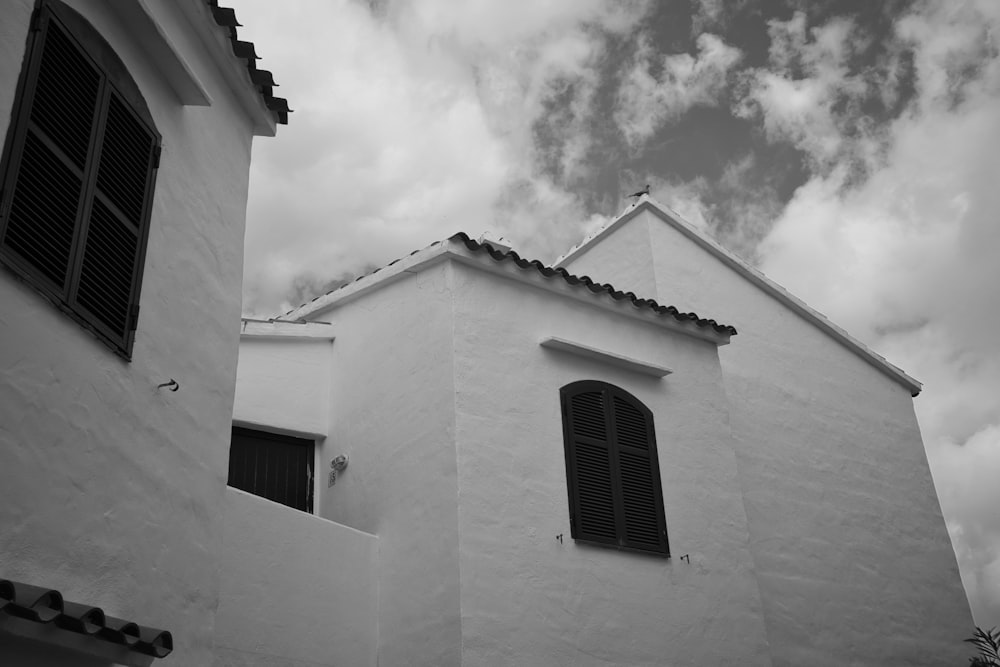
593 286
547 271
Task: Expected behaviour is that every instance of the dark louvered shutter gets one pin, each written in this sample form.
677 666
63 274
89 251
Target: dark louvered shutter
50 157
276 467
642 504
612 470
78 176
589 457
109 268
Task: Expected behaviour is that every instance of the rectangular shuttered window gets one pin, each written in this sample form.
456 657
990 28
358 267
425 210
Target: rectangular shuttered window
77 179
612 469
276 467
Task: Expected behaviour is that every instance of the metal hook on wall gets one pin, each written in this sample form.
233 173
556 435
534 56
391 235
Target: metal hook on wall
172 385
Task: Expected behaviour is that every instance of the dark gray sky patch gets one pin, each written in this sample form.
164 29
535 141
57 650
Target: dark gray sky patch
556 128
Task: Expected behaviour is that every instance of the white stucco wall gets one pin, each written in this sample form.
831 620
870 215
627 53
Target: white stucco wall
448 409
110 487
851 552
295 588
392 414
631 262
284 384
529 599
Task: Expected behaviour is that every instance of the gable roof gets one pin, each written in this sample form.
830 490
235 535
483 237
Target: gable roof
811 315
483 255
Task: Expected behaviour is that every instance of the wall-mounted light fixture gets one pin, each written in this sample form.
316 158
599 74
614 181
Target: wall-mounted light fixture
336 465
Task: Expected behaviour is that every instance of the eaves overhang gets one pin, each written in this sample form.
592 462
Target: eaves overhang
42 614
509 264
798 306
237 61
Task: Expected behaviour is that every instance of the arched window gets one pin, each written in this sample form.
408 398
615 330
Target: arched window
77 174
612 471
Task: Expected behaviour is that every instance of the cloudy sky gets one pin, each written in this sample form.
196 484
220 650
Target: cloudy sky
848 148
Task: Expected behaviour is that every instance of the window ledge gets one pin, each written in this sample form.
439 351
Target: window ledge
621 361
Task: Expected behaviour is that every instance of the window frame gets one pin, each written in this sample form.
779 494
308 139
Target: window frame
115 87
608 393
260 435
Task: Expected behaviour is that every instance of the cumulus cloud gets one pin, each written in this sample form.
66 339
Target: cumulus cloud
903 258
977 463
811 96
646 101
708 14
420 122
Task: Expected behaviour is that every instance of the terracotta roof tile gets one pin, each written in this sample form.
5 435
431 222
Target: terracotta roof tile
261 78
46 605
550 272
557 273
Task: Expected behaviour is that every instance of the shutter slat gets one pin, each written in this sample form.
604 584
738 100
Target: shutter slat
639 500
108 269
125 161
596 501
65 95
630 425
39 209
588 415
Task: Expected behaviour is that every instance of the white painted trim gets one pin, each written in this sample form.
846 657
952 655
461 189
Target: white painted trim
145 29
285 330
767 285
619 360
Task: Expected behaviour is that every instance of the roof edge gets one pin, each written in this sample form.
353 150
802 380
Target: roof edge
463 249
380 277
42 614
237 62
756 277
285 330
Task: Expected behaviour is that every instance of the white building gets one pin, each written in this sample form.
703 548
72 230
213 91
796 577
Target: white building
465 457
127 129
802 521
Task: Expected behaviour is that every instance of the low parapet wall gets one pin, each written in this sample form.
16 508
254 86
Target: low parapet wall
294 589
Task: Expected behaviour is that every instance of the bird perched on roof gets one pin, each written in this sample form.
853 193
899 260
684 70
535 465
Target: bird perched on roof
644 191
